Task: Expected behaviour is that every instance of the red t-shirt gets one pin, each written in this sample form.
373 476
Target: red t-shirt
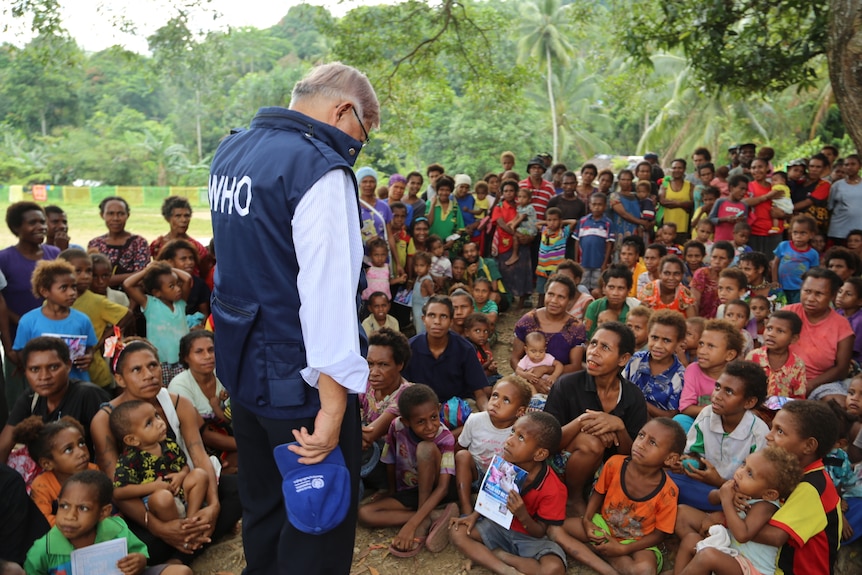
545 500
759 218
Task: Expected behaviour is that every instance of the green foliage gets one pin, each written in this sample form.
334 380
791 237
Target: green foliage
744 45
459 82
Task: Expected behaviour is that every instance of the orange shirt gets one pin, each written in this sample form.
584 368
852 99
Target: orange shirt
628 519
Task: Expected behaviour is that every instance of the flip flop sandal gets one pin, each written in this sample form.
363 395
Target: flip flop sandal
438 535
419 543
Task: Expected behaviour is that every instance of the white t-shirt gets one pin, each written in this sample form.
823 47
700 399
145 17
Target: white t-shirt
184 385
482 439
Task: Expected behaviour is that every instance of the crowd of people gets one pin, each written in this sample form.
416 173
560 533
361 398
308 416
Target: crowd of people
685 362
692 336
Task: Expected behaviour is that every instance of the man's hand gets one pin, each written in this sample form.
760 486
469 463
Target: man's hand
314 447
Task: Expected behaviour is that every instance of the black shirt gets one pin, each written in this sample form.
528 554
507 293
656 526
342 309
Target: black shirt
575 393
456 373
82 401
22 522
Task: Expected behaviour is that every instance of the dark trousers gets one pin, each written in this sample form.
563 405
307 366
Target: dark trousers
272 545
229 513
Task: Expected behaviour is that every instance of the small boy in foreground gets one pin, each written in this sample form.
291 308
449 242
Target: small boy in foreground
83 519
523 548
632 508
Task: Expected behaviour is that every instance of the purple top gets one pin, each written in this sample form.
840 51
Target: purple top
856 323
559 344
18 269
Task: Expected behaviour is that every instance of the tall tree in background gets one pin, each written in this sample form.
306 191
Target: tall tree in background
753 46
544 39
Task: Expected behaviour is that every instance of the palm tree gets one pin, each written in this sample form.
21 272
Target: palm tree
544 32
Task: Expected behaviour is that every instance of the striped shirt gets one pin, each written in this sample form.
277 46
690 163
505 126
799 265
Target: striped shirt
540 196
552 251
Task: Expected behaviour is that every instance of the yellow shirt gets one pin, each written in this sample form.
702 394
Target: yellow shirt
678 215
640 268
102 313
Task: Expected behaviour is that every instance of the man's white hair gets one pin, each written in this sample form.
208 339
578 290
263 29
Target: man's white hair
338 81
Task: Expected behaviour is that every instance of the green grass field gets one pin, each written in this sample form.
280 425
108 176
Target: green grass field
85 224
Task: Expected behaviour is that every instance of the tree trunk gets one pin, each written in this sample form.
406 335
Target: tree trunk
844 53
198 125
556 151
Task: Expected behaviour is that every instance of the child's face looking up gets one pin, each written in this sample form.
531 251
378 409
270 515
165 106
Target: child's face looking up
379 307
424 420
755 476
478 334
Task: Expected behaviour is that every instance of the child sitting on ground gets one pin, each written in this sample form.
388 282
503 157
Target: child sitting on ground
637 320
785 371
845 478
161 292
54 280
807 528
737 313
103 313
723 435
765 478
632 508
441 267
152 467
523 548
782 201
657 372
719 344
420 453
538 367
83 519
688 349
60 450
378 314
486 432
477 329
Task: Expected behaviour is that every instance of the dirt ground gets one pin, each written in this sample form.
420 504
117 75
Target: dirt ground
370 549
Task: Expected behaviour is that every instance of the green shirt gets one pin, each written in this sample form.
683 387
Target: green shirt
592 314
52 553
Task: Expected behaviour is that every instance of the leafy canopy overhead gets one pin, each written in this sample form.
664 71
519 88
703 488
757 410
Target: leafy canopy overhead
741 45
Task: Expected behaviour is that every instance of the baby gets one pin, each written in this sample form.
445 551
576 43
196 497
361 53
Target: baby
152 467
782 202
766 477
538 366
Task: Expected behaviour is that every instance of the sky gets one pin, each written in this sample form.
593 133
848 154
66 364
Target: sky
92 23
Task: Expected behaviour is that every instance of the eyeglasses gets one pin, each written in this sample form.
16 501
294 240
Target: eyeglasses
361 125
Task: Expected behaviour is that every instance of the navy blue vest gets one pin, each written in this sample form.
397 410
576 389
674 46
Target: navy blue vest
257 178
